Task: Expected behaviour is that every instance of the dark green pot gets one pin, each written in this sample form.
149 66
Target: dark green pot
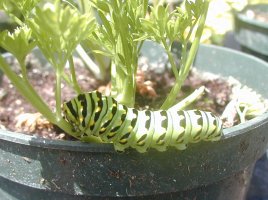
252 34
36 168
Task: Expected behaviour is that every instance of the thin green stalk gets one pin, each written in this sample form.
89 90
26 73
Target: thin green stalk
185 47
171 59
139 47
191 30
23 69
195 44
183 56
58 94
82 6
28 85
241 114
73 75
129 90
28 92
189 99
124 86
190 58
172 95
15 19
96 70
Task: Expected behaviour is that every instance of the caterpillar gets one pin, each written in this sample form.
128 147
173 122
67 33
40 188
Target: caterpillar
102 116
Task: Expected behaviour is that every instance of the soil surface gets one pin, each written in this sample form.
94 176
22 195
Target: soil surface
19 116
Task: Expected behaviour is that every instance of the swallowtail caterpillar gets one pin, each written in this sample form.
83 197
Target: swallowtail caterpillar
102 116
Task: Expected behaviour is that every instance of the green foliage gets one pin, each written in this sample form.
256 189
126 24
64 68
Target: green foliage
25 6
125 25
116 37
113 28
17 43
166 27
16 9
56 33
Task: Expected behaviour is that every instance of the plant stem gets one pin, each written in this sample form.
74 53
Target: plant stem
128 93
123 86
15 18
139 47
241 114
58 93
190 58
82 6
74 80
171 59
188 100
23 69
89 63
27 91
172 95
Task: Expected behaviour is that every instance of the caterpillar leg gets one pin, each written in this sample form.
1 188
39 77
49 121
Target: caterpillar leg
142 139
194 123
126 134
214 132
179 138
162 130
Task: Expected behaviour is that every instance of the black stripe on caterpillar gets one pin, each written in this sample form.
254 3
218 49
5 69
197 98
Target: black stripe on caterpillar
102 116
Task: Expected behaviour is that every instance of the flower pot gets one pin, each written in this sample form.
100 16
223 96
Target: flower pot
36 168
252 32
259 181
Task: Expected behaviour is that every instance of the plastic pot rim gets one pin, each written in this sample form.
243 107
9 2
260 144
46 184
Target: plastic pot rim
241 15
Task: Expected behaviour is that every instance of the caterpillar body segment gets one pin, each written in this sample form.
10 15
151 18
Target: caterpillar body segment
102 116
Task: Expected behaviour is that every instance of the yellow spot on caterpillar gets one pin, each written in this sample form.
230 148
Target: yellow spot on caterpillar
92 123
114 105
180 142
102 129
98 109
81 119
111 116
129 128
161 142
123 140
111 134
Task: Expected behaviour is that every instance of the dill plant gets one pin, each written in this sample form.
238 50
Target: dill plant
115 29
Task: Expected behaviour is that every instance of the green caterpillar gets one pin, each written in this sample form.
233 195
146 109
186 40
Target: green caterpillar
102 116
